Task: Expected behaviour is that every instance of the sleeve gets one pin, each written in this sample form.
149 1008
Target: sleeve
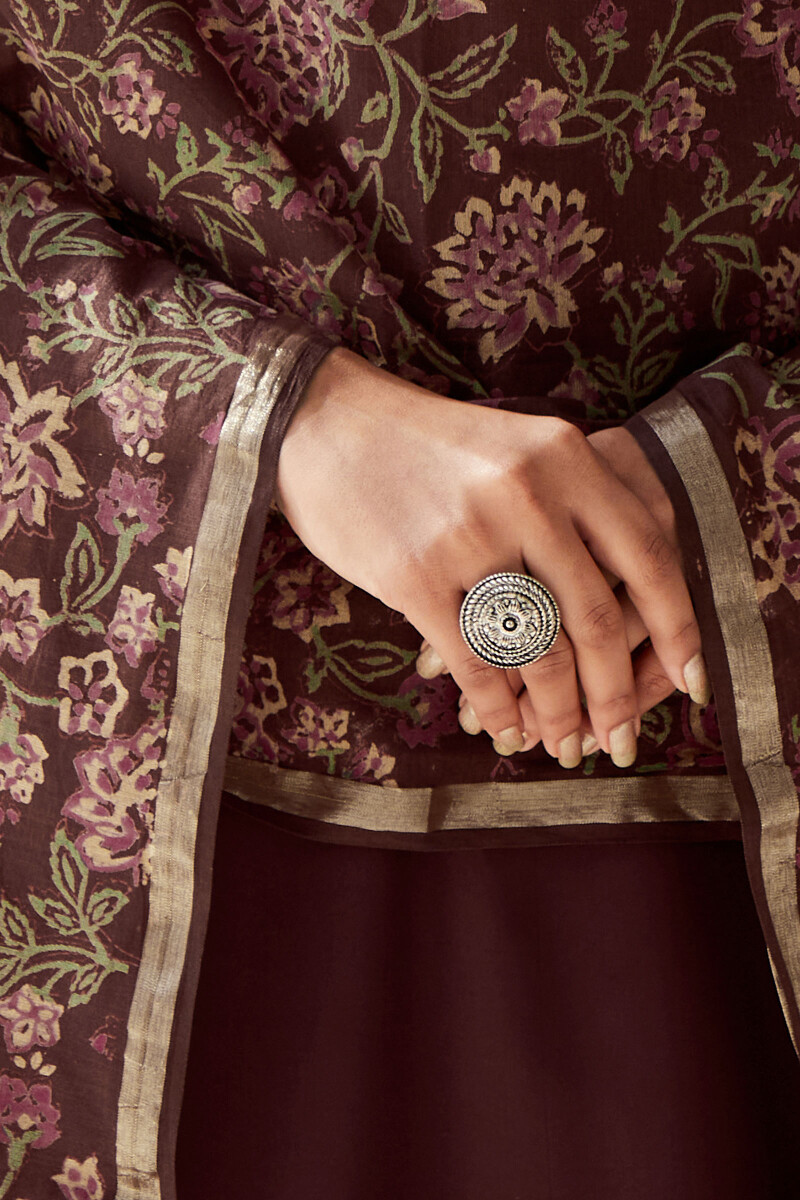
141 412
726 444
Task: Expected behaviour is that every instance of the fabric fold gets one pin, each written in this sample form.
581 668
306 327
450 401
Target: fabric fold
726 446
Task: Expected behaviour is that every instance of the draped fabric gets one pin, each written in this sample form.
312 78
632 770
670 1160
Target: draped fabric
584 210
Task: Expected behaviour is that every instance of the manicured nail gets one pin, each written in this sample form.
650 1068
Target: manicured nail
468 720
509 741
569 751
429 664
695 676
622 745
589 744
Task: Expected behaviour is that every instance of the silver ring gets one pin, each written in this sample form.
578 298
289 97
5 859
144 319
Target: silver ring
509 620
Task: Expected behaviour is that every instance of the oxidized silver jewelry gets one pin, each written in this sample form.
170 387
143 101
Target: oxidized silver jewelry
509 620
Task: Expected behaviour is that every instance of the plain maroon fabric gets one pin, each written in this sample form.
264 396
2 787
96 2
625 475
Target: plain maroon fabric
554 1023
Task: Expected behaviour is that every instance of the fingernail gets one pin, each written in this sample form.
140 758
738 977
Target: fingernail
695 676
569 751
529 742
429 664
622 745
509 741
589 744
468 720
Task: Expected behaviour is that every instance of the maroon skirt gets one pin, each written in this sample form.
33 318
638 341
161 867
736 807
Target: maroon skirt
579 1022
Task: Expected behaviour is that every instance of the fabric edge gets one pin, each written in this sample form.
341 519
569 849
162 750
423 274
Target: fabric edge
740 665
282 359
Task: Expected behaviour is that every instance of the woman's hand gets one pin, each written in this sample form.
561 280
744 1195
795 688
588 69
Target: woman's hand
629 462
415 498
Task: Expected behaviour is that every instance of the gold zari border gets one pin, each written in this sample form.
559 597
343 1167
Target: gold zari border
348 803
195 714
730 574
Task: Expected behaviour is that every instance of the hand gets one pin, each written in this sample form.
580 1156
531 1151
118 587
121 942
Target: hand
415 498
629 462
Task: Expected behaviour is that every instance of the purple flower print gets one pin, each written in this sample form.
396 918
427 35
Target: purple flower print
114 802
80 1180
21 771
282 55
317 731
132 631
508 266
245 197
607 21
30 1019
22 619
771 28
127 503
667 126
56 131
27 1109
537 111
131 100
136 410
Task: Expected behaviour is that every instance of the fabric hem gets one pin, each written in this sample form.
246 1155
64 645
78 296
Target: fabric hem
741 668
282 361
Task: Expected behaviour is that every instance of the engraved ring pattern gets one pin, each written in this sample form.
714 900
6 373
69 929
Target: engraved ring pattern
509 620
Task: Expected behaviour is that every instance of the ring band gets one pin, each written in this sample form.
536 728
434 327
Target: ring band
509 620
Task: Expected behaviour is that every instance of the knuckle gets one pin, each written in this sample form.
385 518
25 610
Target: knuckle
560 722
687 631
653 682
552 666
611 711
658 559
477 676
601 624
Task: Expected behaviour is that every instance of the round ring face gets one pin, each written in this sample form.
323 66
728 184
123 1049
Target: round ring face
509 620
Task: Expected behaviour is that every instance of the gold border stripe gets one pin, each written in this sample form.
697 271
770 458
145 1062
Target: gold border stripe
749 661
199 670
580 801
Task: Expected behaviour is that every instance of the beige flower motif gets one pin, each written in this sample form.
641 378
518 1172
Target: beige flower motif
136 411
174 573
21 767
769 464
308 597
33 464
508 266
30 1019
80 1180
782 286
132 631
318 731
94 694
22 619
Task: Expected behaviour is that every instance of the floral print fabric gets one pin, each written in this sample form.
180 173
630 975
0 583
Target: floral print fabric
581 203
112 366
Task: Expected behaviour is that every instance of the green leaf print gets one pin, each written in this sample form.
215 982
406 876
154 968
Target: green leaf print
185 148
104 905
567 62
619 159
709 71
376 108
15 928
83 568
396 223
55 913
427 147
474 68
